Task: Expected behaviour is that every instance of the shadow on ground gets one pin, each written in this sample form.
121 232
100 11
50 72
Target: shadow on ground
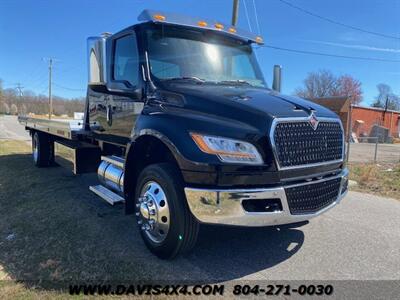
53 229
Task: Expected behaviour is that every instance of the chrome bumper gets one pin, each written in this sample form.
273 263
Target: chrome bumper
225 206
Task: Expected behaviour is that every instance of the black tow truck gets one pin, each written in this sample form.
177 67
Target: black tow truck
181 127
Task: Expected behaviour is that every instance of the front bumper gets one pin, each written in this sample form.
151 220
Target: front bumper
224 206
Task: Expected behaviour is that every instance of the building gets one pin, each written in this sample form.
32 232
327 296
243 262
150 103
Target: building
362 119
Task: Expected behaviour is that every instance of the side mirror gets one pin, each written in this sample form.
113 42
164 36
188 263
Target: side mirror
276 84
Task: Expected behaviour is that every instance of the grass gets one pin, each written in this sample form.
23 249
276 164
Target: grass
378 179
54 231
10 147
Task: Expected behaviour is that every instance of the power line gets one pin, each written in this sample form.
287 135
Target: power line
331 55
339 23
68 88
43 91
247 15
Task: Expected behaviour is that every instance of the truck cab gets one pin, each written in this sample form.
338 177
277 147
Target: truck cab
189 132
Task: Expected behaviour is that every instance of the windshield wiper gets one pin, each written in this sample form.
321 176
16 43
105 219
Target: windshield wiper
235 82
189 78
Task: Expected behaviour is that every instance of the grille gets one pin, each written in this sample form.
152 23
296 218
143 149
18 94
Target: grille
310 198
297 143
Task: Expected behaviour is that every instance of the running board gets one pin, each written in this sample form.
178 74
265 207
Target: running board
106 194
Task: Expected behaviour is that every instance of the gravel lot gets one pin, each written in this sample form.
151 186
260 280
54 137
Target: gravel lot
11 129
365 152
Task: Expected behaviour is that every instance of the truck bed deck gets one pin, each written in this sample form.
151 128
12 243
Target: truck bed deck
65 128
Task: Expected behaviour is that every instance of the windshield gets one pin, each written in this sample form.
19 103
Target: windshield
202 56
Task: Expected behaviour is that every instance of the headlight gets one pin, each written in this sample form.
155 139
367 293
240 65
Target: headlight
228 150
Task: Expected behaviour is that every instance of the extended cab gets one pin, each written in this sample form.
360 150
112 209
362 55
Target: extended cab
182 128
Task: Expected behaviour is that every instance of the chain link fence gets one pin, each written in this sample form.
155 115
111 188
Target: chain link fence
369 150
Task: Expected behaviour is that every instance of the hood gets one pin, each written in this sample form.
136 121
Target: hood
221 100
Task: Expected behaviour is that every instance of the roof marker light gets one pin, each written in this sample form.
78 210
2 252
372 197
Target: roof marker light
232 30
159 17
219 26
259 40
202 23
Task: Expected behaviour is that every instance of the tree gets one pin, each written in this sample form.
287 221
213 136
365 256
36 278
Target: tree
349 86
4 108
14 109
1 89
23 109
386 98
318 84
324 83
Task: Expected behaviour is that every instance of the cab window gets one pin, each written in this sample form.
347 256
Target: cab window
126 60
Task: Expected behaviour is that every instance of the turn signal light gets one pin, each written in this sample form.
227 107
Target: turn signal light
219 26
202 23
159 17
232 30
259 40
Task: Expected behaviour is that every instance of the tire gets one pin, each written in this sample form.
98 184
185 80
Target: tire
183 228
42 149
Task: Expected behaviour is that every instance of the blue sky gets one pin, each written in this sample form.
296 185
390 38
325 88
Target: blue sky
33 29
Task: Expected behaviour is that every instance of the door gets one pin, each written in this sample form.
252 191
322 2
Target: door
118 109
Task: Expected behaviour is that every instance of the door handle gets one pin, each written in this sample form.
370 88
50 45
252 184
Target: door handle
109 115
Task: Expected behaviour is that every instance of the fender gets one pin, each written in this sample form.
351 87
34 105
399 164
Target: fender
161 149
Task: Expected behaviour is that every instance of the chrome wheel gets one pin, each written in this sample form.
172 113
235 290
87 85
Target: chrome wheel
153 212
35 148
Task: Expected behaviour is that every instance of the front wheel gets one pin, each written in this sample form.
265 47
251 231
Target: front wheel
165 222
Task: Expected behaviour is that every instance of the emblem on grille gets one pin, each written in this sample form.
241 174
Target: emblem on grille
313 121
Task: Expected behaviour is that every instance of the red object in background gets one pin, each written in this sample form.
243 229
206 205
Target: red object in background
374 116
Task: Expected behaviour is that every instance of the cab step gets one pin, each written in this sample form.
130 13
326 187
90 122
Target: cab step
106 194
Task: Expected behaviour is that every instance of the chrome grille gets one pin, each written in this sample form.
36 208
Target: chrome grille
310 198
297 144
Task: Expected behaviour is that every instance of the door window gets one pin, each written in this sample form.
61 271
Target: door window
126 60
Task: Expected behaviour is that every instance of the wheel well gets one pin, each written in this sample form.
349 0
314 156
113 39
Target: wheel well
146 150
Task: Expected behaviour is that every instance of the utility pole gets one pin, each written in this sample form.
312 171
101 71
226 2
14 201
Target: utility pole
50 60
235 12
50 98
384 112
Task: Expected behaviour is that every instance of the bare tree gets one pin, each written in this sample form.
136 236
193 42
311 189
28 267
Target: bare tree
318 84
14 109
4 108
1 91
386 98
349 86
22 110
324 83
37 104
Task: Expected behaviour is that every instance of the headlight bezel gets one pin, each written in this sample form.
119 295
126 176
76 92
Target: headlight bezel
240 152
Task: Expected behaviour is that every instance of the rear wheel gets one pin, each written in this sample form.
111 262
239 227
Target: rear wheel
165 222
42 149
